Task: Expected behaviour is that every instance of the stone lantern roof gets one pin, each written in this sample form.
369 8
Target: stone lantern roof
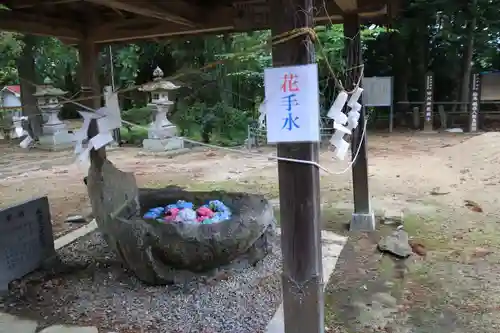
158 83
48 90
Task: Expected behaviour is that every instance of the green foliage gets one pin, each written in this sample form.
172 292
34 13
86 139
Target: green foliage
218 102
10 49
133 135
140 116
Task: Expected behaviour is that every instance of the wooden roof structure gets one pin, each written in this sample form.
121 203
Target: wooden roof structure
108 21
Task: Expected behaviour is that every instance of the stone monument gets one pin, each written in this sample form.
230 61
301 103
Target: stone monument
55 133
162 134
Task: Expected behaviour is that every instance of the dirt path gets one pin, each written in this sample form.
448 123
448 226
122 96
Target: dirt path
454 287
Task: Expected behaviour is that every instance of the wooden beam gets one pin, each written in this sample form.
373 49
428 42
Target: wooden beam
129 30
88 53
145 9
21 4
219 20
162 30
347 6
38 25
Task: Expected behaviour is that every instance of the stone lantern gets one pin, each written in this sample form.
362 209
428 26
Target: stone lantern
162 134
55 134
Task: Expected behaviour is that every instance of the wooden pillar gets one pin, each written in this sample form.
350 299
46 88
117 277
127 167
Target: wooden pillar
363 218
475 102
429 103
88 54
302 276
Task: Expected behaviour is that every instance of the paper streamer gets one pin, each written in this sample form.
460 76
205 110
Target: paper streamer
101 140
341 149
19 131
341 128
112 109
338 105
83 159
104 125
26 142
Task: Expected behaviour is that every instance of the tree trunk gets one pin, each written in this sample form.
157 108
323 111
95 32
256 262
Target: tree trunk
228 85
27 75
467 57
420 60
401 72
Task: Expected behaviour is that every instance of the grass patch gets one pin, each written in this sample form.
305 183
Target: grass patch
269 189
430 231
336 220
333 322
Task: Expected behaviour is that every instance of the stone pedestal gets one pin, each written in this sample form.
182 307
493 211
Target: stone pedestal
163 145
55 134
159 132
57 141
53 124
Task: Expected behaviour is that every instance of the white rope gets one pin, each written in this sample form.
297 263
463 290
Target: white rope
278 158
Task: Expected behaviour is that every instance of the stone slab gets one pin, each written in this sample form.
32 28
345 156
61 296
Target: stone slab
26 239
74 235
13 324
69 329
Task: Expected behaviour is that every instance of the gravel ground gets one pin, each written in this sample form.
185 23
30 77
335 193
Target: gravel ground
97 291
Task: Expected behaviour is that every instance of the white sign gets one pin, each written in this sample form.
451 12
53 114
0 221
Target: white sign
377 91
292 104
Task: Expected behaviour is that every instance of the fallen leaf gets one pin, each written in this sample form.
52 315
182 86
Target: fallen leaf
473 206
480 252
436 191
418 248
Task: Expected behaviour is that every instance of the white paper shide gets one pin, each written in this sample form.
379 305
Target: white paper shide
292 104
344 123
106 122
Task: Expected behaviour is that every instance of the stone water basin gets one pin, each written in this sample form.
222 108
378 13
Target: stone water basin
162 253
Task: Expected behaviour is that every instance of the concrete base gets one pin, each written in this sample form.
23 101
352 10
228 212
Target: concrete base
363 222
163 145
57 141
169 153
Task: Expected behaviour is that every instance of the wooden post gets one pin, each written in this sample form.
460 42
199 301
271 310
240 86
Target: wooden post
363 218
302 276
88 54
429 103
475 102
